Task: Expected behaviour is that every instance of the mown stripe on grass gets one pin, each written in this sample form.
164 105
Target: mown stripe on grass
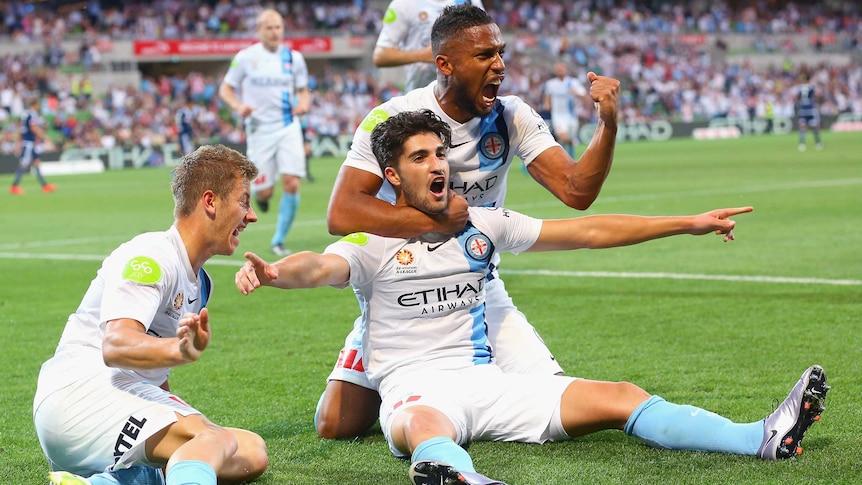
529 272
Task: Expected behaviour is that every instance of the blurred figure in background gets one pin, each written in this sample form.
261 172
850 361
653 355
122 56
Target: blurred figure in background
563 97
267 84
405 39
31 135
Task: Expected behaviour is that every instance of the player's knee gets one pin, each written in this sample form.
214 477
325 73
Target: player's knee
228 441
630 394
332 425
257 456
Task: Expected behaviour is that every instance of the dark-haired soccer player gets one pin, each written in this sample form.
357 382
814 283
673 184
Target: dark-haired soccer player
426 339
488 133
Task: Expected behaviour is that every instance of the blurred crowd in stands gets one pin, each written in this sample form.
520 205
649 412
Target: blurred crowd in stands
661 77
156 19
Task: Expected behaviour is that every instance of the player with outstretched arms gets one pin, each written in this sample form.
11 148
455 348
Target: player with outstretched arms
426 337
488 133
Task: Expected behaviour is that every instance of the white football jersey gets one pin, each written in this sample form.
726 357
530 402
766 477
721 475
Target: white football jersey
268 81
423 300
407 26
482 149
148 279
563 94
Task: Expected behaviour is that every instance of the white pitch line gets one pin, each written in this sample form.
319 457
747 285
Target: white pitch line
683 276
221 261
700 193
118 239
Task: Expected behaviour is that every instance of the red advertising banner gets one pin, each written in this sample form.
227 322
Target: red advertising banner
220 47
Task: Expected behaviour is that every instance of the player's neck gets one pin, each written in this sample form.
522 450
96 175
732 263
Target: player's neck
445 97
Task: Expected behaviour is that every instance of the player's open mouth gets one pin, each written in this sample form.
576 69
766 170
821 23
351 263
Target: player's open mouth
489 92
438 186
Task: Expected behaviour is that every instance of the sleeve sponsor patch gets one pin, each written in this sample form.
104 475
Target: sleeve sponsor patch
357 238
142 269
390 16
374 118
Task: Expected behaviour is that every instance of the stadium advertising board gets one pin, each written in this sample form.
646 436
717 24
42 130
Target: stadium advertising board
118 158
220 47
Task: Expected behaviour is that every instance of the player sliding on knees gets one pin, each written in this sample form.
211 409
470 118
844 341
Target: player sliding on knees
419 350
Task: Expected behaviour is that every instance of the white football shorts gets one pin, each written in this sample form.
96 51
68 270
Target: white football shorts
482 402
565 123
275 151
102 422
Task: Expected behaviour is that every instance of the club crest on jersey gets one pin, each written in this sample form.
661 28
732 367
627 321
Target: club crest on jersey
423 16
478 247
492 145
178 300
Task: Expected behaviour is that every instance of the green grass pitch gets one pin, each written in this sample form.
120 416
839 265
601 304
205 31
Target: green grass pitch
727 327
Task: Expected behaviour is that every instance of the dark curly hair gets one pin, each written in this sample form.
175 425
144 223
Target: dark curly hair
388 137
455 19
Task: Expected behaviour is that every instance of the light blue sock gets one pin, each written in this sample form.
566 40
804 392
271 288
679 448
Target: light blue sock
661 424
191 472
286 211
136 475
139 475
445 450
104 478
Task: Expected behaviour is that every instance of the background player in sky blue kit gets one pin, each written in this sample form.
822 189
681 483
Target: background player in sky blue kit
267 84
31 135
489 132
563 98
405 39
427 346
103 406
807 113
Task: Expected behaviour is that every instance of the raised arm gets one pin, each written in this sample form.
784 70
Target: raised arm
577 184
354 207
299 270
607 231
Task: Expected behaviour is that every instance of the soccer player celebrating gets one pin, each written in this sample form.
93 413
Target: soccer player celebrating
267 84
489 131
103 407
423 304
